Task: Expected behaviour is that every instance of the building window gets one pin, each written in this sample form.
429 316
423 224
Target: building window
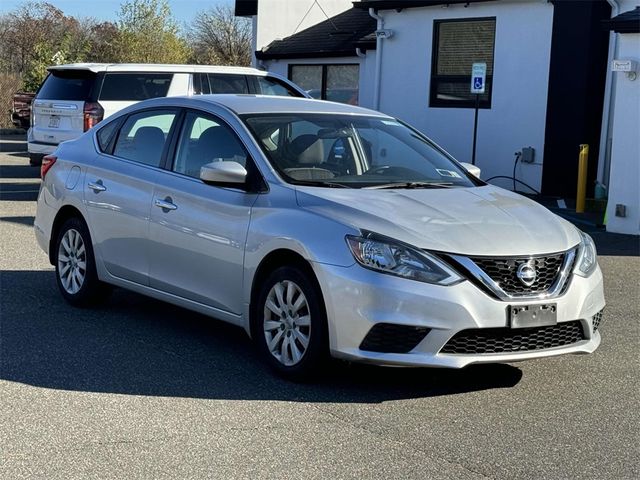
337 83
457 44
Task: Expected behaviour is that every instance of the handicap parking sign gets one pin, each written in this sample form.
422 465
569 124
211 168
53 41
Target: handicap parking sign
478 75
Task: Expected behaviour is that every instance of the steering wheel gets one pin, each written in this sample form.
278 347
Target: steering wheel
381 170
393 171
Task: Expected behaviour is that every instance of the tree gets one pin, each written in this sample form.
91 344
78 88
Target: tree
104 43
147 33
219 37
37 35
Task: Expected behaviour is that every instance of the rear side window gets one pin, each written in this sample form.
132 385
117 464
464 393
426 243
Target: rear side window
273 86
135 86
105 134
225 83
67 85
143 136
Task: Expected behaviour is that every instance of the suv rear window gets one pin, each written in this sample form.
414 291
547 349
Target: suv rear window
67 85
135 86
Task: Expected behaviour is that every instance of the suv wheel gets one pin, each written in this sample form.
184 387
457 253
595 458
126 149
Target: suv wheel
289 324
35 159
75 265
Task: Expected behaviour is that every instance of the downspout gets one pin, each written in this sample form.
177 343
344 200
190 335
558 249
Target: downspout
604 154
376 81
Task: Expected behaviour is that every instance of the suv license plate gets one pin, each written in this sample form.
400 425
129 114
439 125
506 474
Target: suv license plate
54 122
525 316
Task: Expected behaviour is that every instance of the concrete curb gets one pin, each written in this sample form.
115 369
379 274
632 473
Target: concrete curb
12 131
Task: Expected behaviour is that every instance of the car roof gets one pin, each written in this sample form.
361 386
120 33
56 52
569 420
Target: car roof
260 104
156 67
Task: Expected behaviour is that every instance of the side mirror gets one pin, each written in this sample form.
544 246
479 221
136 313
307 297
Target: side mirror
223 172
472 169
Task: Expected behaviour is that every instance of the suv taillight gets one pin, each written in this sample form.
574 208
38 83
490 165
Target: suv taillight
47 163
32 115
93 113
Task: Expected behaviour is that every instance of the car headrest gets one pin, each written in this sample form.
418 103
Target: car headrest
218 142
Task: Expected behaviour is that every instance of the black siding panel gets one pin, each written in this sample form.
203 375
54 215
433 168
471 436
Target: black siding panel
577 74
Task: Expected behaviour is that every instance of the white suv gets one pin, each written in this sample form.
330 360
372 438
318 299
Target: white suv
74 97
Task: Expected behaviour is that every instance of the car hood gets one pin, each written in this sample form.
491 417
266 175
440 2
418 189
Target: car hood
472 221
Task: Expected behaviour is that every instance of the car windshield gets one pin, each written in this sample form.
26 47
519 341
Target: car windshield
354 152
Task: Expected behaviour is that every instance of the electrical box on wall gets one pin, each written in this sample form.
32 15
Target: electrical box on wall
528 155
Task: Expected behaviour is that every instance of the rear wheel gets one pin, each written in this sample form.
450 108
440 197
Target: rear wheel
75 265
35 159
289 324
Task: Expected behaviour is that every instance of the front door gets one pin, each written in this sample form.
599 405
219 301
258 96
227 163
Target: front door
198 231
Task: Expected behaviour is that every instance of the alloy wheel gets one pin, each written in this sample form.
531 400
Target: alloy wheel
72 261
287 322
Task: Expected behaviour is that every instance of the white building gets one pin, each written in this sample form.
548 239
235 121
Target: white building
623 129
547 80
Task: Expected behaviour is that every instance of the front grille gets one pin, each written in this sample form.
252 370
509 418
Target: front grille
505 340
596 321
503 272
390 338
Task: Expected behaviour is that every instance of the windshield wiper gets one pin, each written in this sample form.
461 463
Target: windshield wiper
312 183
411 185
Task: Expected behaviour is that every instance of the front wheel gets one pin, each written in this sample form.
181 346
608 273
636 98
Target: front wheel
289 324
75 265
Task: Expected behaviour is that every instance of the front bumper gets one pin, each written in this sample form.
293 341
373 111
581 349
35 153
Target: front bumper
357 299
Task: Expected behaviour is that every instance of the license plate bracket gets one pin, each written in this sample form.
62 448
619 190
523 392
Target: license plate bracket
54 121
527 316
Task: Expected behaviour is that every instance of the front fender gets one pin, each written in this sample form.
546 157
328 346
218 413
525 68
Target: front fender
277 223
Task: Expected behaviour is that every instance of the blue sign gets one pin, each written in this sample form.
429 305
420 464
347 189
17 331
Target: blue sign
478 76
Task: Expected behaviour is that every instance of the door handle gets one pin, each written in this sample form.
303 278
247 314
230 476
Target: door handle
97 186
165 204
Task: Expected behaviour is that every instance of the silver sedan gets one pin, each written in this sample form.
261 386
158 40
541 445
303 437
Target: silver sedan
321 229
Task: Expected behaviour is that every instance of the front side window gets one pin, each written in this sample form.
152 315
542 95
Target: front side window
275 87
457 45
353 151
201 84
337 83
135 86
205 139
143 136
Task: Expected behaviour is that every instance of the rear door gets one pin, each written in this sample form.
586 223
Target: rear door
119 188
59 104
121 89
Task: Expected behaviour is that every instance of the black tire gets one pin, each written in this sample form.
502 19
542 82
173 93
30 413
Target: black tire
316 352
90 291
35 159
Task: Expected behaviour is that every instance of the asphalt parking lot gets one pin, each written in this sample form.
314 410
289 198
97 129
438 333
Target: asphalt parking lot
141 389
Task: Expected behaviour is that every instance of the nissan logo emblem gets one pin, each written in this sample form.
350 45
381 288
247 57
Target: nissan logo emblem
526 274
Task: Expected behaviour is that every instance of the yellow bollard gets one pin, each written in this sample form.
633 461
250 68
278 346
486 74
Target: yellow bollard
583 162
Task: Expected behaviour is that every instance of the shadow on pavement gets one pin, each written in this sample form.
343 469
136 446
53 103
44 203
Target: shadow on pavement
616 244
138 346
26 220
19 192
18 154
19 171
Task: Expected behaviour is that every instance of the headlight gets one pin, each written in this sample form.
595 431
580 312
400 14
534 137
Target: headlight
587 257
387 256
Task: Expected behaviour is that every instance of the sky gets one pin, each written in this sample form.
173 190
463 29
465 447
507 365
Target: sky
183 10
